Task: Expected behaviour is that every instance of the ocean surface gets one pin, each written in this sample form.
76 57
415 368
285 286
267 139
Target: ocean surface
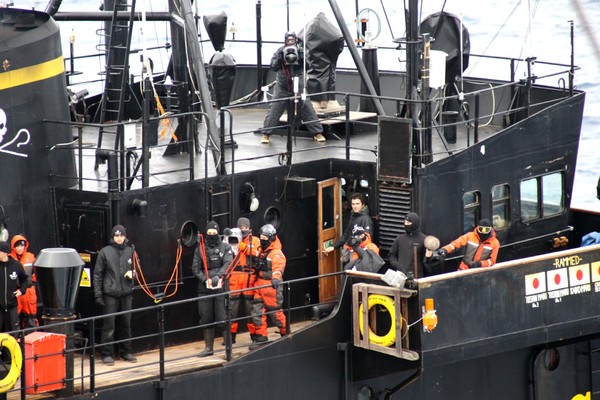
509 28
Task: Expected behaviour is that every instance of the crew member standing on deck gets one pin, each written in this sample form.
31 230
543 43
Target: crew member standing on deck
270 267
408 249
14 281
243 277
211 259
113 287
28 302
481 247
288 62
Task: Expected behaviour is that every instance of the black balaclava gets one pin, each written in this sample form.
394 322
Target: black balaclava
413 218
212 240
484 223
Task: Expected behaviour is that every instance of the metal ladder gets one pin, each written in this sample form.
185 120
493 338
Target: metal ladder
116 83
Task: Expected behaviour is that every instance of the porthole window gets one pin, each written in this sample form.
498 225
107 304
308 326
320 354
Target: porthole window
273 217
189 234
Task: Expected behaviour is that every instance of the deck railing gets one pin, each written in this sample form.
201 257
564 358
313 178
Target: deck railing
82 346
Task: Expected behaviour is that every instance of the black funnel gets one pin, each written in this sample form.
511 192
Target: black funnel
58 273
216 26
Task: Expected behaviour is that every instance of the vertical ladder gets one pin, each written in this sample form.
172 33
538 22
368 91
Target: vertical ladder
220 205
395 201
116 82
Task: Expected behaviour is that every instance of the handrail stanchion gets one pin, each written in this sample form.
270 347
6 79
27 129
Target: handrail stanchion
288 312
347 125
476 127
92 356
227 331
161 384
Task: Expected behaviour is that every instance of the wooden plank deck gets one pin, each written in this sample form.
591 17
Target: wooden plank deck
178 360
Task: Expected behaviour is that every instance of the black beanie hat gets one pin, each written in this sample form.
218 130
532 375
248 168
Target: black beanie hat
212 225
118 230
5 247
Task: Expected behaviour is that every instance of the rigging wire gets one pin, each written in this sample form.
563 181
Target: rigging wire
387 19
502 26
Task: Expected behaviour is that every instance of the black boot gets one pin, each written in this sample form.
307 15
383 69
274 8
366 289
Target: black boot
260 340
209 340
232 338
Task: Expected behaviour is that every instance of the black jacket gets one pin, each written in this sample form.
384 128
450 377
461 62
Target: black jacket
286 72
218 259
109 272
12 277
402 257
360 218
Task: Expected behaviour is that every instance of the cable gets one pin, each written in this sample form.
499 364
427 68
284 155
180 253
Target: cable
139 276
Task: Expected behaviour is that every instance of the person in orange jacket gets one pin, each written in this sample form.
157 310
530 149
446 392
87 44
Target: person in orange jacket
242 277
481 247
364 254
27 307
270 267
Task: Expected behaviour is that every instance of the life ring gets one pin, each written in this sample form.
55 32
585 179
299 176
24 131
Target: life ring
10 344
388 303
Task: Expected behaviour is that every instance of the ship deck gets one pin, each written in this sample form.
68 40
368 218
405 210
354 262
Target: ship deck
249 153
178 359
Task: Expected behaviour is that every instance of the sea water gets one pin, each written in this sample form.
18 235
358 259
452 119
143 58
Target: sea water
509 28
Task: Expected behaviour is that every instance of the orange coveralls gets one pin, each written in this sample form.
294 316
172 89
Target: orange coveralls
270 265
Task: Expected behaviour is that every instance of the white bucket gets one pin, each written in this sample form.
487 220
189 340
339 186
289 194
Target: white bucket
437 68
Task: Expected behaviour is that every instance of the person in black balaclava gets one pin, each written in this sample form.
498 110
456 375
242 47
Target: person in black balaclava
209 266
407 251
113 286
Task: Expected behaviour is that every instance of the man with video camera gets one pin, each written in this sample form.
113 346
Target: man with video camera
288 61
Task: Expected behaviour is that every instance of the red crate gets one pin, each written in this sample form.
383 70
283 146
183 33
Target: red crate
45 362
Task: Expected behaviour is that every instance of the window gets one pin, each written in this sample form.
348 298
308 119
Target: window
471 210
542 196
500 207
552 194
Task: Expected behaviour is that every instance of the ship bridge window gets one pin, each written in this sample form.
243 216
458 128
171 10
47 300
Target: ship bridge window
471 210
542 196
500 207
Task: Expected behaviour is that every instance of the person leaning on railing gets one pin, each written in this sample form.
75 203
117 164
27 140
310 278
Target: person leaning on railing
481 247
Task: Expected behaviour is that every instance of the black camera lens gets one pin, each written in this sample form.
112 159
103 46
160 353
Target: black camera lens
290 55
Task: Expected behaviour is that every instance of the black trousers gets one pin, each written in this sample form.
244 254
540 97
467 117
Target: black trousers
119 325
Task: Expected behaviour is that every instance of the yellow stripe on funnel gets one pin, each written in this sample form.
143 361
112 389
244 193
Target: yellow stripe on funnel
34 73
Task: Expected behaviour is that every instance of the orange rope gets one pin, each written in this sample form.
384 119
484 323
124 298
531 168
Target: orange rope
165 122
139 276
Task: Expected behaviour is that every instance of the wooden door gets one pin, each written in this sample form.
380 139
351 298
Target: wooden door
330 228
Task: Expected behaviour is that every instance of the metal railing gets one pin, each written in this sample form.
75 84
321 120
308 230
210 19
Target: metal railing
83 349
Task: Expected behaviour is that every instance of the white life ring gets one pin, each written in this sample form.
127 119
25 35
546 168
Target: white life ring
388 303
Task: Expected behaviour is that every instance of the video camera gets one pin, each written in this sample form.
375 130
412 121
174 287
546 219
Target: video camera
290 55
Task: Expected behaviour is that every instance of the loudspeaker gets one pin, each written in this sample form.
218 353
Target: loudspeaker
298 187
394 149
